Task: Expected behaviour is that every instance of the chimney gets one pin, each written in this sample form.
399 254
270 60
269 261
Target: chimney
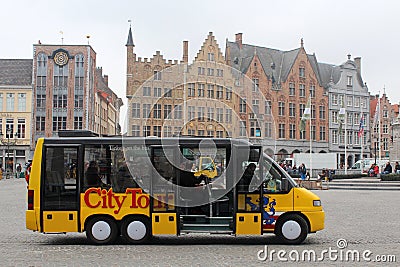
239 39
357 61
185 51
105 78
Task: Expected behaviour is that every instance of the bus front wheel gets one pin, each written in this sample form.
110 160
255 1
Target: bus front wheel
135 230
101 230
292 229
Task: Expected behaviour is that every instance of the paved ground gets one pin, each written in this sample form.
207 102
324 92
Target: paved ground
367 220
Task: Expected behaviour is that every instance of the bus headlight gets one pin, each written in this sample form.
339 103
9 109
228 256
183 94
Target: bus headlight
317 203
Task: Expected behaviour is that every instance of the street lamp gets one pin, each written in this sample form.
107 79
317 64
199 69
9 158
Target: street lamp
7 142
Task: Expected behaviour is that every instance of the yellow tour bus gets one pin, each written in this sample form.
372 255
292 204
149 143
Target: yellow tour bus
142 187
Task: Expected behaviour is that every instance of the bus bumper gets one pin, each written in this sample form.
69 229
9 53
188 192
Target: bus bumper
31 220
316 219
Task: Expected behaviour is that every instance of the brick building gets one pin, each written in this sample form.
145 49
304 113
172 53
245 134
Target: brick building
65 86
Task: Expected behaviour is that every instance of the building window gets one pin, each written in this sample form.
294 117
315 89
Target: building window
220 134
200 132
167 92
220 72
157 130
211 57
356 139
146 111
350 81
255 105
191 113
157 111
9 128
356 102
210 91
167 131
268 129
334 99
21 128
59 101
200 91
385 144
220 92
210 133
200 70
302 72
349 137
322 134
302 90
349 118
59 123
1 102
322 112
10 102
281 130
135 130
228 115
242 129
228 93
267 107
40 124
146 91
210 114
292 110
385 113
200 113
334 117
78 123
78 101
210 71
22 102
292 131
334 137
178 112
242 105
191 90
357 119
302 107
303 135
385 129
349 100
341 137
61 76
41 101
146 130
313 112
255 130
157 92
220 115
167 111
341 100
312 91
255 84
157 75
281 108
313 134
292 89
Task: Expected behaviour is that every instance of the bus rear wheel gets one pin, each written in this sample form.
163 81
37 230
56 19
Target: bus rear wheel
101 230
135 230
292 229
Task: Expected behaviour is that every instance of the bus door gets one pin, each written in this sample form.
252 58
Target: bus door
247 175
277 197
163 184
60 181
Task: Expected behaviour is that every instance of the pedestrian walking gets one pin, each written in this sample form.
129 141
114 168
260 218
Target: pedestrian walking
303 172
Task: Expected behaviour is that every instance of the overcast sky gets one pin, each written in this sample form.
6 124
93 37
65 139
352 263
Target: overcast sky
330 29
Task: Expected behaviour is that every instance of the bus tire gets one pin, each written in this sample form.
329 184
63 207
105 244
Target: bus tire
135 230
291 229
101 230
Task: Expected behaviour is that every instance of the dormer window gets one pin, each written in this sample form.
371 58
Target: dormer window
349 81
211 57
302 72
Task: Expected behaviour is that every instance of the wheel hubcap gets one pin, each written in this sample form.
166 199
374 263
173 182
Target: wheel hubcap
136 230
101 230
291 230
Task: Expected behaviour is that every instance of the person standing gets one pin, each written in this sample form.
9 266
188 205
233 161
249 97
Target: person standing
303 172
397 167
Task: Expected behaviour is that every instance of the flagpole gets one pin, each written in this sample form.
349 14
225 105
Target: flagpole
345 143
361 130
310 148
379 134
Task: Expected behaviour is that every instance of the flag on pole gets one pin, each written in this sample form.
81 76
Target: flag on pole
361 128
341 117
377 112
306 115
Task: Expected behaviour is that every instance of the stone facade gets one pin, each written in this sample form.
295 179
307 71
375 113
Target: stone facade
15 111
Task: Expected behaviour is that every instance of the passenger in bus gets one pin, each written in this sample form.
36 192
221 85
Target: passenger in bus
247 177
93 178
